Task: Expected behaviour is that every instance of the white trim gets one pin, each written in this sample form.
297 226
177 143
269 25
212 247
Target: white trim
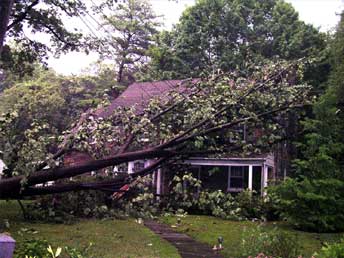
130 167
266 169
158 182
229 178
264 179
250 177
232 163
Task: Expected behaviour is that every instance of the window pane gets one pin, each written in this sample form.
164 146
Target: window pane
239 177
214 177
237 182
139 165
237 172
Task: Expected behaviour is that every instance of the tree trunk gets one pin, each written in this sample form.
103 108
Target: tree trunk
12 186
5 11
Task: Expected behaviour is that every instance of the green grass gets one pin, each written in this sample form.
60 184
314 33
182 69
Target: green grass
126 238
207 229
110 238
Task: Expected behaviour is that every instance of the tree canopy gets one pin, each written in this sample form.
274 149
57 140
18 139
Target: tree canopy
227 34
36 112
39 17
318 186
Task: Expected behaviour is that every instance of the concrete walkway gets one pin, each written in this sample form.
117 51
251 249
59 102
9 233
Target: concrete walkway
187 247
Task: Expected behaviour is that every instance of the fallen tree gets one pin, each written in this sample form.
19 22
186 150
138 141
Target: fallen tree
193 118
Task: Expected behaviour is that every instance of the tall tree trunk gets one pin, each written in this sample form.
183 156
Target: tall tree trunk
5 11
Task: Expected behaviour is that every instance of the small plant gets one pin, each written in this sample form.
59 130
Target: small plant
76 253
33 248
36 248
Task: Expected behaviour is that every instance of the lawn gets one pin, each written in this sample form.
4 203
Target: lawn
110 238
126 238
207 229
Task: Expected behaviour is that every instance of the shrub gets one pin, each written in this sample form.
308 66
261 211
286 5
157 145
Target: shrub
274 243
186 194
312 205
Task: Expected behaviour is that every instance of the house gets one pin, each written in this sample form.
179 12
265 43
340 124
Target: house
233 174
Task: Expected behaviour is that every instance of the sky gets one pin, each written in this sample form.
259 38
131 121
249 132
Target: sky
322 14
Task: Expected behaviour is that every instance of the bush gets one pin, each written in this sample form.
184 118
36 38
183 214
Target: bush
312 205
274 243
187 195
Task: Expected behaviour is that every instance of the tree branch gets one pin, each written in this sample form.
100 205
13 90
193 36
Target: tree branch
23 15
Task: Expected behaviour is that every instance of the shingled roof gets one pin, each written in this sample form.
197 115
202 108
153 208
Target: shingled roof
139 94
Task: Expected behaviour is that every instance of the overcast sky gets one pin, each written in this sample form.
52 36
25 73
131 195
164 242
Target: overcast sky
322 14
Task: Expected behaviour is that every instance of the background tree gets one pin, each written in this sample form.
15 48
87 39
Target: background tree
224 34
129 28
31 17
319 186
38 110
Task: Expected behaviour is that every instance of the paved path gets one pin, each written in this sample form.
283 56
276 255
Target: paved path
187 247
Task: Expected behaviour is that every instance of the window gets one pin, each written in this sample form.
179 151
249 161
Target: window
239 133
238 178
122 168
138 165
214 177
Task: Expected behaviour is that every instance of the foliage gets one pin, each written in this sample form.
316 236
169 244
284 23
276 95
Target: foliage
141 201
273 243
187 194
34 112
192 122
224 34
33 248
318 189
323 146
76 253
312 204
33 17
335 250
68 207
65 208
194 109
